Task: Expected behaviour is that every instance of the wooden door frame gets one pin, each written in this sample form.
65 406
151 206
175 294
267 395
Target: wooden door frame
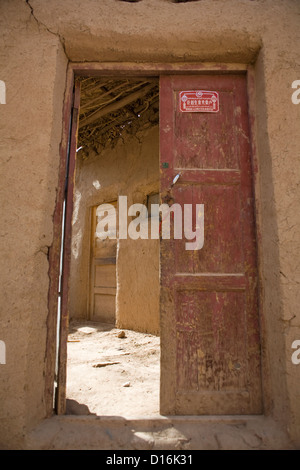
67 148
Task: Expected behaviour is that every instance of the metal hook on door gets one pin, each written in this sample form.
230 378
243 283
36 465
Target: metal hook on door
175 179
168 198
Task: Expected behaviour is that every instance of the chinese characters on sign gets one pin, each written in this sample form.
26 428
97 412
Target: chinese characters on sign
199 101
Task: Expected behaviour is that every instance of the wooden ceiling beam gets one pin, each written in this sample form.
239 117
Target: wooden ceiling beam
115 106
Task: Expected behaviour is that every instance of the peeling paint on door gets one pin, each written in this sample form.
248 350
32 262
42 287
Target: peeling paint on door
210 325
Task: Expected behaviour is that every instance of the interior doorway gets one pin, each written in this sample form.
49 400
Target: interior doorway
113 342
103 272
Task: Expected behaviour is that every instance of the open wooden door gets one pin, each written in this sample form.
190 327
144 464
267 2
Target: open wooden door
210 341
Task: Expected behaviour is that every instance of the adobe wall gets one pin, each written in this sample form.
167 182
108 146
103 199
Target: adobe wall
129 169
36 44
33 66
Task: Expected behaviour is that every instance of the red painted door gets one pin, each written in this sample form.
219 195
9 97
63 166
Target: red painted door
210 342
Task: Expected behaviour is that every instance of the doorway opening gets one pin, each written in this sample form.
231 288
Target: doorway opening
113 348
201 299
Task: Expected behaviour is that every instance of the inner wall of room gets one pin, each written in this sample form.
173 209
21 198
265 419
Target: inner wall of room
128 168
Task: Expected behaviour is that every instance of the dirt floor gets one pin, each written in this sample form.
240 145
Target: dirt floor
108 374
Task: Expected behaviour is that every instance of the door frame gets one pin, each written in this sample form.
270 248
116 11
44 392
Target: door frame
67 165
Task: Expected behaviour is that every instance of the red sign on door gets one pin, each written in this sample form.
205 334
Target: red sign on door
199 101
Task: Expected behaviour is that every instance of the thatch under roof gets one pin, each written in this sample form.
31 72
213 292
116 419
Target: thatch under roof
110 108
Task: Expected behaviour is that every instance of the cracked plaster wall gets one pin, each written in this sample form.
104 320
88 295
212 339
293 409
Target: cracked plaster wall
35 43
33 66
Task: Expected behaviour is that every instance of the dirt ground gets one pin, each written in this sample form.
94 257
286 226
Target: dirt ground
112 375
